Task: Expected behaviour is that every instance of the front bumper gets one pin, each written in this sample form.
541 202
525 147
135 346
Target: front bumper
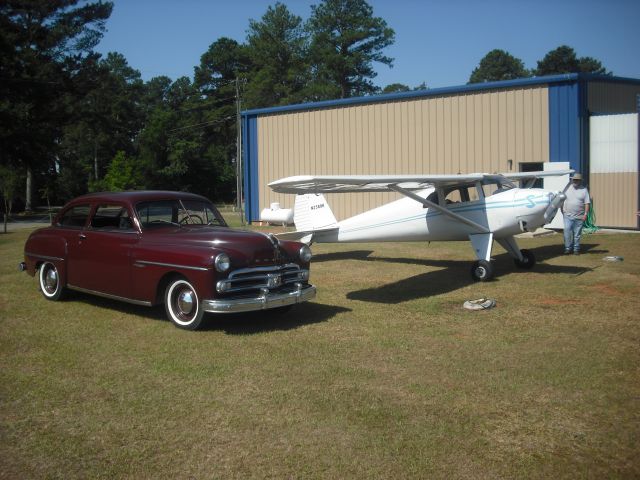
265 300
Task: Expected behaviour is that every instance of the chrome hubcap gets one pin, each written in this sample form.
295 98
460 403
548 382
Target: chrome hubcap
51 280
185 302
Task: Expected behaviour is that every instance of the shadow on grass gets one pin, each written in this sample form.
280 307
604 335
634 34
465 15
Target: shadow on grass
335 256
234 323
450 274
272 320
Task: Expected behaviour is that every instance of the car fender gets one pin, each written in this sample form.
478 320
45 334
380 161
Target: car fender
43 246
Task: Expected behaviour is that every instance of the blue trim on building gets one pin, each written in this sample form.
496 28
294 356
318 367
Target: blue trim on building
564 141
475 87
569 124
250 164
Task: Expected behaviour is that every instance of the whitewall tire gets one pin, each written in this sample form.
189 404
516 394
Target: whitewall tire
182 304
50 282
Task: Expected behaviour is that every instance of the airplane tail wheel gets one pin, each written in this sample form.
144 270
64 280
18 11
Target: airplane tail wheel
482 271
528 260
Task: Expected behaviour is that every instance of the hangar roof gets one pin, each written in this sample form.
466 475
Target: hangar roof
475 87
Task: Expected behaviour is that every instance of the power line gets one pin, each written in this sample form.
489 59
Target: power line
213 122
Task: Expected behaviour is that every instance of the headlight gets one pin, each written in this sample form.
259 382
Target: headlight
305 253
222 262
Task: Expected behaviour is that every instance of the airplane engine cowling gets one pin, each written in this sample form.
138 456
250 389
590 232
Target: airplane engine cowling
556 203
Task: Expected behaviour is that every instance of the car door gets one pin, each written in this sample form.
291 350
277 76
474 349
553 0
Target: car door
102 259
70 226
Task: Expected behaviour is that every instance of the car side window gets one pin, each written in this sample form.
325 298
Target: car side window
111 217
75 217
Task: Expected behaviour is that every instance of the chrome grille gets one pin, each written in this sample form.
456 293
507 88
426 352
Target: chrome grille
257 278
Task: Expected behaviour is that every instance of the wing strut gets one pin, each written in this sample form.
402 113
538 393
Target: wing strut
437 207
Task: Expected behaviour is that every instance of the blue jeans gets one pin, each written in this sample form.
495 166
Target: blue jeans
572 233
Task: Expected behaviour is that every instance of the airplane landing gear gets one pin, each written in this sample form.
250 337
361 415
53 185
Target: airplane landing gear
528 260
482 271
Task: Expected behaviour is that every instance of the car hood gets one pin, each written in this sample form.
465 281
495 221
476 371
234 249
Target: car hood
245 248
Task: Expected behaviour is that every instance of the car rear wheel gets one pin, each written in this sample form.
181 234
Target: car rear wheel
183 305
50 283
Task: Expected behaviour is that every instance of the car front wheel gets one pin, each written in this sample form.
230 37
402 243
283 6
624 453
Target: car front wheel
50 283
183 305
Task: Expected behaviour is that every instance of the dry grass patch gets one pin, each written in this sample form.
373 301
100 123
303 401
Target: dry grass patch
384 375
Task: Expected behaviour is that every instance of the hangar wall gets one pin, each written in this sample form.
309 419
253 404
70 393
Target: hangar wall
611 98
614 159
463 129
461 133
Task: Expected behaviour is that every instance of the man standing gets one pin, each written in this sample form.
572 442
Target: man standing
575 211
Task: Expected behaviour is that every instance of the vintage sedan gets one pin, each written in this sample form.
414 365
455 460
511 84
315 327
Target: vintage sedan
151 247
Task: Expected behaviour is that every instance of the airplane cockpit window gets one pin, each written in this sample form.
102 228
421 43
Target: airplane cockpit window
462 194
497 187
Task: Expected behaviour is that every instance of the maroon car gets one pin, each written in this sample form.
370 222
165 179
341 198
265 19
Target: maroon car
149 247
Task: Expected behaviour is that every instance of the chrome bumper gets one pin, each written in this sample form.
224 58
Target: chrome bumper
264 301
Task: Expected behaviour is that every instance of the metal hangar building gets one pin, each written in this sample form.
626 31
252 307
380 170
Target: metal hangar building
589 122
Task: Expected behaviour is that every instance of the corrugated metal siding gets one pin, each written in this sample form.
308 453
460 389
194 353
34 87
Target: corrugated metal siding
464 133
564 116
611 98
615 197
614 143
614 169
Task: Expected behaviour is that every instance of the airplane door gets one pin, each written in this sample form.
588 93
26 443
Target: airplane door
555 184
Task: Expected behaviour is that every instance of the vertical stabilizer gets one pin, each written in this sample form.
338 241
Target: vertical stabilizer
312 212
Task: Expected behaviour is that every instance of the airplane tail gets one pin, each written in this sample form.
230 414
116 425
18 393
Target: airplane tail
312 212
313 218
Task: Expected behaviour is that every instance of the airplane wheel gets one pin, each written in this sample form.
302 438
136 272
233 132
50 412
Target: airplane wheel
528 261
482 271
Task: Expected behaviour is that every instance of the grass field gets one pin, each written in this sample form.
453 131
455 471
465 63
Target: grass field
384 375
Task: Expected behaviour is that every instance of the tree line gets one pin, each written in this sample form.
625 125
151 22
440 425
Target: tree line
73 121
501 65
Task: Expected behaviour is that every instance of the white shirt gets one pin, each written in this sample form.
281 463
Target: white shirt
577 197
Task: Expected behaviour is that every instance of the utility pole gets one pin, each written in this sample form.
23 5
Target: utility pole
239 153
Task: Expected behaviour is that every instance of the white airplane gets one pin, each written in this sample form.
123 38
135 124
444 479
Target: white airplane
479 207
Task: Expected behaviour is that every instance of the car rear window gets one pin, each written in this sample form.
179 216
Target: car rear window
75 217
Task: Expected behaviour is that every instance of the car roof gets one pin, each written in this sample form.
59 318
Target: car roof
135 196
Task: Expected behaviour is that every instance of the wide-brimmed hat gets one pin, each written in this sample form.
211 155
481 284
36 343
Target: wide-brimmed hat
576 176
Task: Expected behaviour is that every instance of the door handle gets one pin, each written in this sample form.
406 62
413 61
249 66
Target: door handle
82 236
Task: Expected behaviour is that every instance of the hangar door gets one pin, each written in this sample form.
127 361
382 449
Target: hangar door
614 159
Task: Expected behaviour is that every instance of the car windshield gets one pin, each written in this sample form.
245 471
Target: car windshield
178 212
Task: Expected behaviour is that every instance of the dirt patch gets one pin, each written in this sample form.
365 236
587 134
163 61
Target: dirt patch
559 301
605 289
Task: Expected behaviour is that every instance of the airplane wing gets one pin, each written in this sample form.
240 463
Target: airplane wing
534 175
386 183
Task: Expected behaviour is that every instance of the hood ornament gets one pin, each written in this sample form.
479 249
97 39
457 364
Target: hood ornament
276 246
274 240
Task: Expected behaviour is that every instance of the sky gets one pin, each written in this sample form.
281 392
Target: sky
438 42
